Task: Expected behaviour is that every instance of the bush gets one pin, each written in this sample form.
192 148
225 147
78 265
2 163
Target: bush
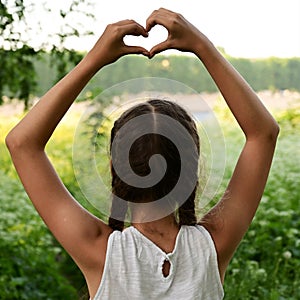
30 264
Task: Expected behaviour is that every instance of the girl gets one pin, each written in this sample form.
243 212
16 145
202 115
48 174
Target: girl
164 258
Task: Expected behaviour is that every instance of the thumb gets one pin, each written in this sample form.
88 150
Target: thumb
159 48
137 50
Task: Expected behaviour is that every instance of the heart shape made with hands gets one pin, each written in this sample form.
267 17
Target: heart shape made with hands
157 34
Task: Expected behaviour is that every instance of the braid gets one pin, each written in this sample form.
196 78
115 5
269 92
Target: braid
121 192
186 211
118 212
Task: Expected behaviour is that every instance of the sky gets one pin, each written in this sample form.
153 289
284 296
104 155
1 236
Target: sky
244 28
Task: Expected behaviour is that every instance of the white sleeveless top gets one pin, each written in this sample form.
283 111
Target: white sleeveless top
133 267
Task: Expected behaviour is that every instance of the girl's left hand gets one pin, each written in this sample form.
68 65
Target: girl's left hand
110 46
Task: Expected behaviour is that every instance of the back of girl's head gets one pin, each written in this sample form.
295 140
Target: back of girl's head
142 149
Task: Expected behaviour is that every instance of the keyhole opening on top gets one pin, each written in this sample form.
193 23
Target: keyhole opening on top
166 268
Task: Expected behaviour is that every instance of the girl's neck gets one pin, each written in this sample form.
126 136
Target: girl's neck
162 232
162 227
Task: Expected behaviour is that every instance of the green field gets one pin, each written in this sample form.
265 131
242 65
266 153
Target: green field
266 265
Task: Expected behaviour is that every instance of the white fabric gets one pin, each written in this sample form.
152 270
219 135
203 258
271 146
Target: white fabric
133 267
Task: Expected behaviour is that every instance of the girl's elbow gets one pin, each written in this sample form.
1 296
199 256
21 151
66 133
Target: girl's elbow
270 130
274 132
19 143
268 133
271 133
12 142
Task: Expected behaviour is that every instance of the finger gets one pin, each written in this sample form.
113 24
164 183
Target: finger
133 28
126 22
159 48
150 22
137 50
159 16
155 19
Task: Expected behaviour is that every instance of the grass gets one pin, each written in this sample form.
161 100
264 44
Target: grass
265 266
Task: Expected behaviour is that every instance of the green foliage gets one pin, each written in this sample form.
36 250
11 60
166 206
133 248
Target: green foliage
262 74
13 80
30 262
290 120
18 77
270 73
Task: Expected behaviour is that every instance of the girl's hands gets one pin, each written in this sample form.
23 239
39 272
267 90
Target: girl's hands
110 46
182 35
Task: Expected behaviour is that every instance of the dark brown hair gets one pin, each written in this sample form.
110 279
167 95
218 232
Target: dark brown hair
142 150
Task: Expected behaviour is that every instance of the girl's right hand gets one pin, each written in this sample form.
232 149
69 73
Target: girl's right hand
182 35
110 46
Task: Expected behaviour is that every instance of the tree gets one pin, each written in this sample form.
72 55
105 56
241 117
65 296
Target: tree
21 22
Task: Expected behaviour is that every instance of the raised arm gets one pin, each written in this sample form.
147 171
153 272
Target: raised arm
230 218
80 233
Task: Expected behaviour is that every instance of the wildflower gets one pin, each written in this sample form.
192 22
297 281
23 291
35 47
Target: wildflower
287 254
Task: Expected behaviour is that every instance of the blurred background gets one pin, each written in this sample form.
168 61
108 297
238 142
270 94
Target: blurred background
42 40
